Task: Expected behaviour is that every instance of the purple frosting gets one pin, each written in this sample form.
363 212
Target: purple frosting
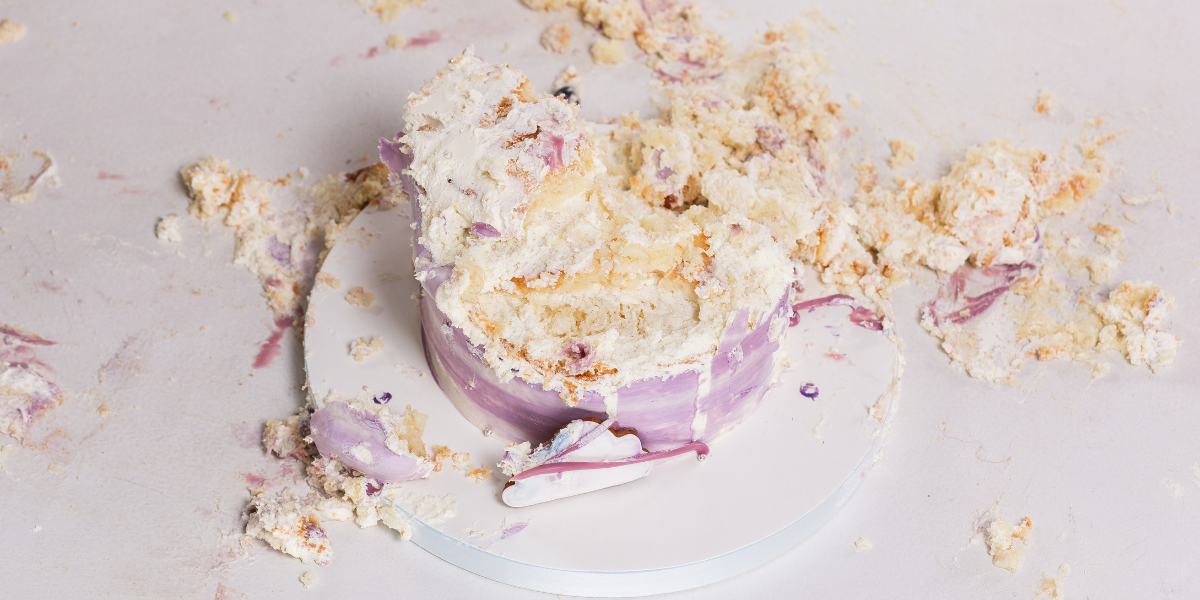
661 410
972 290
338 427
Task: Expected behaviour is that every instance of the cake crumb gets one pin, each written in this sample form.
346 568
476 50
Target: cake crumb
797 29
854 100
387 10
231 16
1139 200
1132 318
507 48
903 152
308 579
1175 489
1001 543
167 229
1064 570
396 41
11 31
863 544
608 52
557 38
1049 587
325 278
1046 102
1129 217
360 297
1170 209
361 348
479 474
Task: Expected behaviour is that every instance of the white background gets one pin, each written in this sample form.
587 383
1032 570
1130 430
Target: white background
136 504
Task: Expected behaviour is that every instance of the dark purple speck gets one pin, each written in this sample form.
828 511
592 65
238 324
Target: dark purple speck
809 391
383 398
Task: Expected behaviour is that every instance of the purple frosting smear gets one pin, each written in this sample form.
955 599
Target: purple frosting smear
972 290
339 429
863 317
484 230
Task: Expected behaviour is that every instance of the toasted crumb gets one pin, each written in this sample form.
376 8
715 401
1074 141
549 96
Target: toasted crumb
308 579
1139 200
557 38
1049 587
479 474
863 544
797 29
903 152
361 348
1046 102
167 229
231 16
360 297
1001 545
329 280
11 31
396 41
608 52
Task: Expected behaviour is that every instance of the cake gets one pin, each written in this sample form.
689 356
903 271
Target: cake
549 294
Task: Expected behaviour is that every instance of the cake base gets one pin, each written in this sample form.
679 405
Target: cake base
766 486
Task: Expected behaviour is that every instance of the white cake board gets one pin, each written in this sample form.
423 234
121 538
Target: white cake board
765 486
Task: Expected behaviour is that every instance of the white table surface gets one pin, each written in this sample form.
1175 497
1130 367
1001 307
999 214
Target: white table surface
145 502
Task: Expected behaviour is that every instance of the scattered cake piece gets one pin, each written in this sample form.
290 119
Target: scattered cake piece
396 41
568 78
308 579
863 544
361 348
1133 317
903 152
1049 587
616 19
557 38
290 527
11 31
283 230
1002 543
231 16
360 297
551 4
326 279
1046 102
21 174
608 52
1140 200
26 394
343 493
388 10
167 229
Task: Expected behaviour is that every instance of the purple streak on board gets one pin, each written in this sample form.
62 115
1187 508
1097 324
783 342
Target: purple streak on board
700 448
863 317
972 290
513 529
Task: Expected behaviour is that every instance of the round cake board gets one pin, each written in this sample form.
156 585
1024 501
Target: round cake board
765 486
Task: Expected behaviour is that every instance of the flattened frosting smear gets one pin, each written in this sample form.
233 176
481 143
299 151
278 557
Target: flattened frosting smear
584 456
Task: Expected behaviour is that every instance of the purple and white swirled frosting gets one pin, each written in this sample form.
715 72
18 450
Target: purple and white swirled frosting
550 293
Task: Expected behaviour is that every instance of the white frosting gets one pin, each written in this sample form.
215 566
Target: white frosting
560 274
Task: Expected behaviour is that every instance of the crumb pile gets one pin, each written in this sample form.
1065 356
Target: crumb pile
290 521
283 228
